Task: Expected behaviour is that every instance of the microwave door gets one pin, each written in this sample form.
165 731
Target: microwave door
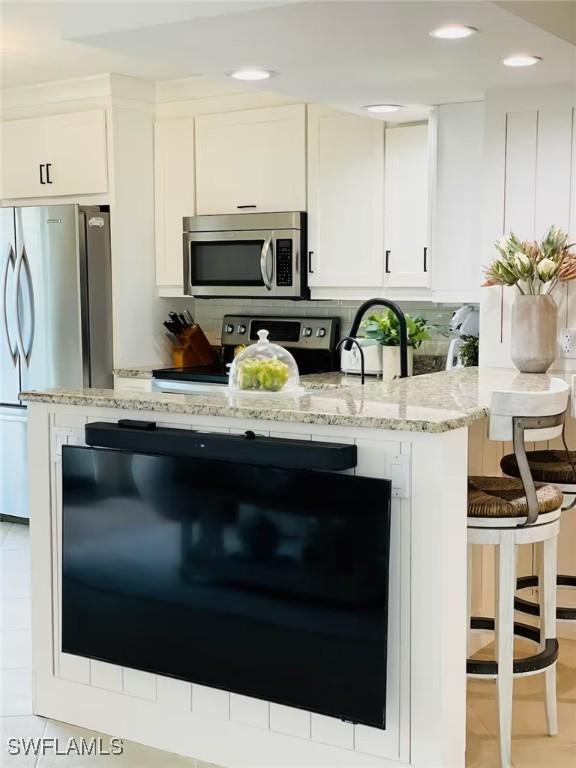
229 263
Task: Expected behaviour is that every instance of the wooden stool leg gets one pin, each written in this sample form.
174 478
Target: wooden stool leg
548 624
505 642
469 602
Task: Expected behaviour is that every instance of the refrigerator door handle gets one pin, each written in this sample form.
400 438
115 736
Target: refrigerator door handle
23 260
10 262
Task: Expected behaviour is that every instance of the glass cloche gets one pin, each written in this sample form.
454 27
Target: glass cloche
264 367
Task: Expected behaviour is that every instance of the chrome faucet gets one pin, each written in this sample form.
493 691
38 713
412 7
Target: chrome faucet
361 311
352 340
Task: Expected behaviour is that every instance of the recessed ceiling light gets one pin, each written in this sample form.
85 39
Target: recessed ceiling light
250 74
383 108
453 32
521 60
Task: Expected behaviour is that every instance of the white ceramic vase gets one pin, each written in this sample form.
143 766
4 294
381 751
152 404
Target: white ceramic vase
534 333
391 362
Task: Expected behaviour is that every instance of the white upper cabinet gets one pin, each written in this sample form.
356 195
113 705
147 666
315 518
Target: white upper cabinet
56 155
22 158
406 207
174 193
529 170
345 199
251 160
457 212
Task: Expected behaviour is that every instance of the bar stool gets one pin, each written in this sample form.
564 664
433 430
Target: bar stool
551 466
508 512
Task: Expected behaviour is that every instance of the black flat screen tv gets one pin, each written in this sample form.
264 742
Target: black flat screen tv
268 582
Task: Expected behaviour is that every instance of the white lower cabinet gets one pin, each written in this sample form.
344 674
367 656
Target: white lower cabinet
175 197
406 207
54 155
13 462
345 199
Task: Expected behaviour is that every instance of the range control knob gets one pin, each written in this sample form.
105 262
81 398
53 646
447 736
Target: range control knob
307 332
321 332
229 328
241 329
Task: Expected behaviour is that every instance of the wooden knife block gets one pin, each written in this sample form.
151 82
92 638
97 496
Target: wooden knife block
195 350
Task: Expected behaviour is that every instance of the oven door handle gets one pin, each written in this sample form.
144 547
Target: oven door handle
187 253
266 250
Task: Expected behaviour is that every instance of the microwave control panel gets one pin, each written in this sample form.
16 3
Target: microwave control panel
284 262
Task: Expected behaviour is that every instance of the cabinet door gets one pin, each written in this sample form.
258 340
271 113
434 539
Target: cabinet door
55 155
174 192
406 212
251 160
23 150
457 217
76 151
345 192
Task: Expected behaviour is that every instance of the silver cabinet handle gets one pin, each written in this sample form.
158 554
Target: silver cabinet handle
10 262
23 260
264 263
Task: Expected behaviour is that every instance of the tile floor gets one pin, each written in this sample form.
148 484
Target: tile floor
531 746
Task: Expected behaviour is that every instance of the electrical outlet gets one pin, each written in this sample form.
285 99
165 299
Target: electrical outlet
568 342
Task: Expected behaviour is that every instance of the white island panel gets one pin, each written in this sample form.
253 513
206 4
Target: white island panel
424 717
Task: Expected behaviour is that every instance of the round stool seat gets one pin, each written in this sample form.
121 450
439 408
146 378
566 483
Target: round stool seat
504 497
545 466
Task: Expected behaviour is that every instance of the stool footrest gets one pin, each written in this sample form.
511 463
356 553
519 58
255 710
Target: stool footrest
535 663
533 609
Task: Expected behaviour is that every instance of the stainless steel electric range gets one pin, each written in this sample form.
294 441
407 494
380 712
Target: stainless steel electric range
312 341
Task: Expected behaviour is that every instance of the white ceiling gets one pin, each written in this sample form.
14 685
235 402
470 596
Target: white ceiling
344 52
556 16
37 36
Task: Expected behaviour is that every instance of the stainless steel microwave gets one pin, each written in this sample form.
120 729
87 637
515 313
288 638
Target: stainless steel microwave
254 255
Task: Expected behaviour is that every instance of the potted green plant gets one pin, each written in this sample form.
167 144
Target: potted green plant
535 268
468 351
383 327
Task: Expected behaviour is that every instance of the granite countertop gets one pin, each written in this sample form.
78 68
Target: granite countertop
422 364
136 372
437 402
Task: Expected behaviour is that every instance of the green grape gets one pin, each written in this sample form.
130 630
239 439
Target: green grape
273 375
269 375
248 374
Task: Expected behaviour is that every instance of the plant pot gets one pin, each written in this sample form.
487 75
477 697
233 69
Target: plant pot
391 362
534 333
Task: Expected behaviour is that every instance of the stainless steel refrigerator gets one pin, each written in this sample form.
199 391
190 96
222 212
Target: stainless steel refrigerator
56 317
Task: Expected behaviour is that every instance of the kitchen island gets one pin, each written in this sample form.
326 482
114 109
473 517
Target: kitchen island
414 432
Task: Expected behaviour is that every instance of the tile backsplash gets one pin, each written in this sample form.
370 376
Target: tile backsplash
209 313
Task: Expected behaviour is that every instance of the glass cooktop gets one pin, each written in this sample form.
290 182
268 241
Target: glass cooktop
208 374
